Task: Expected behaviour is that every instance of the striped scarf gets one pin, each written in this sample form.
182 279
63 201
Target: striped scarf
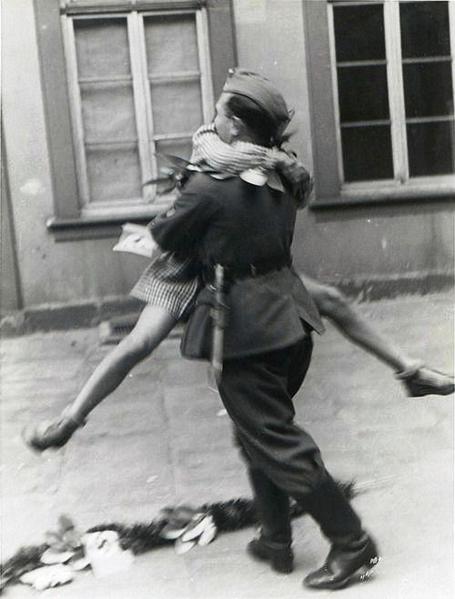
231 158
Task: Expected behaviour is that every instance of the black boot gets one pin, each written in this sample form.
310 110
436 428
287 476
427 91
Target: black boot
279 555
353 552
345 564
272 505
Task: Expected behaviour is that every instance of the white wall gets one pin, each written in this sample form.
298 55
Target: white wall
50 271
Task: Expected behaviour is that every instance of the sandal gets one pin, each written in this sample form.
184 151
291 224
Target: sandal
51 435
426 381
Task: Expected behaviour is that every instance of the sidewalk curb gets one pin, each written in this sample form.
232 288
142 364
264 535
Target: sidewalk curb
57 317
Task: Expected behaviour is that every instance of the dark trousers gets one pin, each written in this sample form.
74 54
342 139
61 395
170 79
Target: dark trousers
283 459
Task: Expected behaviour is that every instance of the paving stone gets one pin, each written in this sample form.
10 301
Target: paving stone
189 373
160 441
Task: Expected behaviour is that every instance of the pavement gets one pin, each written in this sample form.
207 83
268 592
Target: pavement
163 439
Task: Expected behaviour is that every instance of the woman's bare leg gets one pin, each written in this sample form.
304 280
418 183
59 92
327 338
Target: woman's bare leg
335 306
418 379
154 324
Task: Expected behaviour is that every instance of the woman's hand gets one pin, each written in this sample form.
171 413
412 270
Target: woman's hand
296 175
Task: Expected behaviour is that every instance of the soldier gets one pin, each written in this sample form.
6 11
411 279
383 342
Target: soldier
168 288
248 230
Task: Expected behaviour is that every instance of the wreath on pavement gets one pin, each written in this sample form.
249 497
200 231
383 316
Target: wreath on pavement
111 546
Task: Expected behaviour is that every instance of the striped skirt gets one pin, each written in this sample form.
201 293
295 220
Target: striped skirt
169 283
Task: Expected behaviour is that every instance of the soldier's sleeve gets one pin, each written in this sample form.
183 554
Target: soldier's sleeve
180 228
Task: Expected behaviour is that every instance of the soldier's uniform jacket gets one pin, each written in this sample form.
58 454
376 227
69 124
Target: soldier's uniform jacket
248 229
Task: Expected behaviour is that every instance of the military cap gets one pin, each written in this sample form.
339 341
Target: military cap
262 92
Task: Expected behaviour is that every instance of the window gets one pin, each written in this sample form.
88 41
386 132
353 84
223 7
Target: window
139 86
125 81
390 80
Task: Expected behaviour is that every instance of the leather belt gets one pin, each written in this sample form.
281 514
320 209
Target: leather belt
246 271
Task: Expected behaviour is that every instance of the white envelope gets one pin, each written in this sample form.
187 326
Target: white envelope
137 239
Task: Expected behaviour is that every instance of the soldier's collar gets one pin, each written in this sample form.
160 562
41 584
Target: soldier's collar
253 176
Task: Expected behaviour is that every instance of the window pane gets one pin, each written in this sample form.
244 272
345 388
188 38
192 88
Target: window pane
172 51
176 106
175 147
367 153
359 32
171 44
428 89
431 148
102 47
424 29
363 93
108 112
113 174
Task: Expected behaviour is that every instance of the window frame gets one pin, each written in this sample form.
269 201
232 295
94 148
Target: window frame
71 219
331 190
146 137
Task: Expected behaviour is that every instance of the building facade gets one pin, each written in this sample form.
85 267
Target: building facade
95 90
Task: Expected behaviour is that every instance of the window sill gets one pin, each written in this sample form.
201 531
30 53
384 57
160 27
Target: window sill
385 195
95 227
